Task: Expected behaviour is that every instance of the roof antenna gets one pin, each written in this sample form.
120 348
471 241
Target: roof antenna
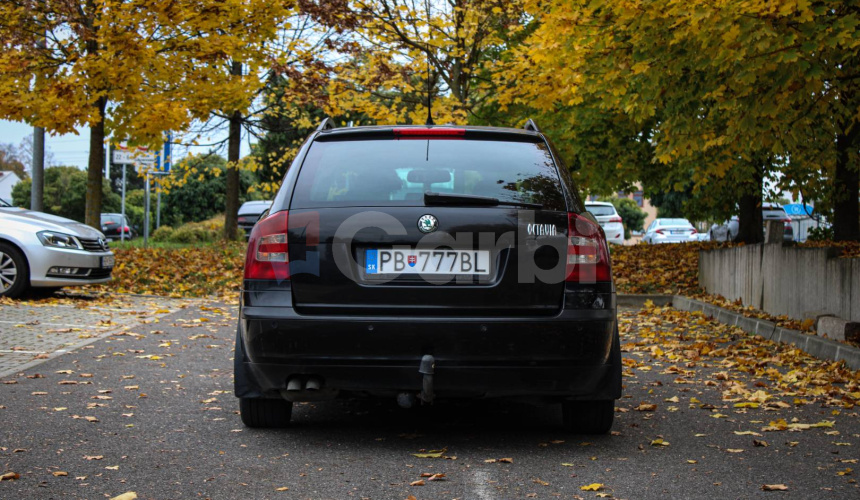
429 74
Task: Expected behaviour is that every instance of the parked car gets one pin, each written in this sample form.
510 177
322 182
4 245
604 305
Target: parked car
250 212
670 231
728 231
43 250
609 220
416 262
113 225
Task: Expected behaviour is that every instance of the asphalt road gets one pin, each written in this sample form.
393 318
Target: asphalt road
154 414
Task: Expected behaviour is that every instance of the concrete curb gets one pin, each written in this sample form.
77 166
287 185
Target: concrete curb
638 300
816 346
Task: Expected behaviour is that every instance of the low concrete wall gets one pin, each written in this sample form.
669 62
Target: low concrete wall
784 280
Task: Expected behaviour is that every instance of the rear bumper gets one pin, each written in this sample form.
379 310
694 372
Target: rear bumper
566 356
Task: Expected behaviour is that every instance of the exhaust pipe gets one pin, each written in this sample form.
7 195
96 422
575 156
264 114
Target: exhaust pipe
313 384
311 390
294 385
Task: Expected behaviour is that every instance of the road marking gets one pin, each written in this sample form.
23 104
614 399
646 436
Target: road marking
480 480
12 351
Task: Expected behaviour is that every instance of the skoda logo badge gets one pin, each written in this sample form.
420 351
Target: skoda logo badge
427 224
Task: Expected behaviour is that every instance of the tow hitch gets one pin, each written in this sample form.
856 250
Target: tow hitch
426 368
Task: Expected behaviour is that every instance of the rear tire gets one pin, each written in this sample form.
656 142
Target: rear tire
265 413
588 417
14 273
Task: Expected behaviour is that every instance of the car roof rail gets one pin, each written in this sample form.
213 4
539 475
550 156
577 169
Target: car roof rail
531 125
326 124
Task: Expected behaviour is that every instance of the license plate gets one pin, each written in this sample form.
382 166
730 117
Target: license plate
396 261
677 232
108 261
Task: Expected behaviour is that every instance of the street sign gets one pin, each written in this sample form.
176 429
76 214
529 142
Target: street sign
124 155
165 163
798 209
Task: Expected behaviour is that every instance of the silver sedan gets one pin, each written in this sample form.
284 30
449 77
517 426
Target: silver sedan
670 231
43 250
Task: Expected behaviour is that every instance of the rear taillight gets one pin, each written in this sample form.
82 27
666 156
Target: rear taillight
268 257
693 231
126 229
660 231
587 253
615 219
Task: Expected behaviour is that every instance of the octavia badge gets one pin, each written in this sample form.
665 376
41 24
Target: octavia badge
427 223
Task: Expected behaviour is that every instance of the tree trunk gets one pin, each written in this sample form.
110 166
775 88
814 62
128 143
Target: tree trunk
231 214
750 222
846 187
96 168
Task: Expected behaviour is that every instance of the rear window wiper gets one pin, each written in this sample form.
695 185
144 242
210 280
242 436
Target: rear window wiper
431 198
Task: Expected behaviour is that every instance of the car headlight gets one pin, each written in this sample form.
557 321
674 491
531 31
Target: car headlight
59 240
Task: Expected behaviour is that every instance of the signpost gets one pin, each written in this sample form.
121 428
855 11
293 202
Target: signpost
162 167
125 155
143 157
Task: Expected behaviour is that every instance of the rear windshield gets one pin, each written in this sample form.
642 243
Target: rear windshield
254 207
111 219
390 172
773 213
600 210
674 222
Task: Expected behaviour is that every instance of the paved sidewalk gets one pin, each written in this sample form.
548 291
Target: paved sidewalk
707 413
32 331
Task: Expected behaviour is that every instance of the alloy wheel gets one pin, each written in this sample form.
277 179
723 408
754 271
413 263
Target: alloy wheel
8 272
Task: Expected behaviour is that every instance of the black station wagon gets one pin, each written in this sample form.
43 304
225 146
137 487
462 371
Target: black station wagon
417 262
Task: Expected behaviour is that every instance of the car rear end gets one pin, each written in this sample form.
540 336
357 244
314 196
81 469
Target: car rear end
777 213
114 225
675 231
412 262
249 214
608 218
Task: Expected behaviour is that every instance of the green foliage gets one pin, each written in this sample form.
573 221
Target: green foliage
65 193
632 216
134 209
820 234
286 124
207 231
163 234
202 191
671 204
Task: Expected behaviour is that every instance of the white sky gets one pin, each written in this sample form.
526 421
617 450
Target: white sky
74 150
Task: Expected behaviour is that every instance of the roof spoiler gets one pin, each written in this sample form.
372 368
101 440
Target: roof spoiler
532 126
326 124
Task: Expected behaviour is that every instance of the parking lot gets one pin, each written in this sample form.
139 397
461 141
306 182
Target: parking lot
32 331
707 412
